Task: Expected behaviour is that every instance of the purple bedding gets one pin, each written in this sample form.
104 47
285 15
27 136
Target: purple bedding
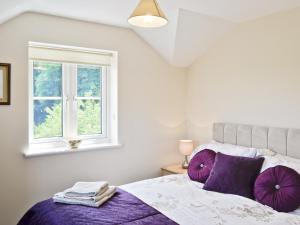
122 208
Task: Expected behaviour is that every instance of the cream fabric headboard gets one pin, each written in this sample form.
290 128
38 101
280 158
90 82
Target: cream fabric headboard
280 140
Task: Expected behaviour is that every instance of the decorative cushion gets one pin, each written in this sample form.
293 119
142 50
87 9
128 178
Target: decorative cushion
279 188
201 165
234 175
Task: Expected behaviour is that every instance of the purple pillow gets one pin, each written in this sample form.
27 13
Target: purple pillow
201 165
234 175
279 188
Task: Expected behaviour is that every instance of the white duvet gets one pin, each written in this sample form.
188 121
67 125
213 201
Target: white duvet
186 203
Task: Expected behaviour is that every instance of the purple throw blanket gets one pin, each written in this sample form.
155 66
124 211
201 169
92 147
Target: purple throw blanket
122 208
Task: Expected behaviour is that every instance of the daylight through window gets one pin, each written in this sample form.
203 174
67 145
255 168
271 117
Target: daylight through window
71 94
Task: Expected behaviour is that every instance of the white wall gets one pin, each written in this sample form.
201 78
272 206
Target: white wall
151 110
250 76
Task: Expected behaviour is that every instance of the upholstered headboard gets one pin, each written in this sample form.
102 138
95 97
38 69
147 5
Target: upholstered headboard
281 140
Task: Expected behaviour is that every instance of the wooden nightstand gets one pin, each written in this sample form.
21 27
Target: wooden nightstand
173 169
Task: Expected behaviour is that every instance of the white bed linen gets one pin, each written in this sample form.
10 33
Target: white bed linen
186 203
296 212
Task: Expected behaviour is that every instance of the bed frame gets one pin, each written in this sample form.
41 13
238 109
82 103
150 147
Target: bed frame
280 140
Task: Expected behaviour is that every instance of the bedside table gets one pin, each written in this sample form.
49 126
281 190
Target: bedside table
173 169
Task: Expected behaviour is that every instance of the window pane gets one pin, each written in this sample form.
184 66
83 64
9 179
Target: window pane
89 81
89 117
47 79
47 118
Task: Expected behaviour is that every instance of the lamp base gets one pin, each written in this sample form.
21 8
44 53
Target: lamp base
185 163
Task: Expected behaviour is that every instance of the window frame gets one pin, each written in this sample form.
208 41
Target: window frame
107 58
32 140
69 100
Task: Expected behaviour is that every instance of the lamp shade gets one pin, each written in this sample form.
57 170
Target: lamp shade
186 147
148 14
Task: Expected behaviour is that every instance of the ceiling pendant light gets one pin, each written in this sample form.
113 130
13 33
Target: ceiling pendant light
148 15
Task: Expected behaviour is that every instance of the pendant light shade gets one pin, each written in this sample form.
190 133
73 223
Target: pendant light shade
148 14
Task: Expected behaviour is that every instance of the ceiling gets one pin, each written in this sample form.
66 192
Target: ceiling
193 24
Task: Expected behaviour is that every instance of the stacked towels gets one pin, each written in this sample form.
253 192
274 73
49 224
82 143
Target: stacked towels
91 194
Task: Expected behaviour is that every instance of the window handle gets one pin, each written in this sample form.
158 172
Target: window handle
73 99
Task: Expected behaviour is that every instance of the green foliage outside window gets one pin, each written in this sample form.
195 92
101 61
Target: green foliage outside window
51 127
89 119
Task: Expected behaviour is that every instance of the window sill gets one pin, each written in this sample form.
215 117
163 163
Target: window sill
64 150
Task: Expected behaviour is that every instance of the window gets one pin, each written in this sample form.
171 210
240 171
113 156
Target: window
90 104
47 99
73 95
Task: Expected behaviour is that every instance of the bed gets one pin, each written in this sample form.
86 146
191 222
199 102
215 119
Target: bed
175 199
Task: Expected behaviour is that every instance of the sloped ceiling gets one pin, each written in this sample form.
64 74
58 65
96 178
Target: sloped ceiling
193 24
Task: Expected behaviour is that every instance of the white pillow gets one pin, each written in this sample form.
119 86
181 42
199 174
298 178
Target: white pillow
228 149
278 159
265 152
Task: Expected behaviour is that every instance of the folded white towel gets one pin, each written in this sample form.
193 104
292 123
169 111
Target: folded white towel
110 190
86 189
93 202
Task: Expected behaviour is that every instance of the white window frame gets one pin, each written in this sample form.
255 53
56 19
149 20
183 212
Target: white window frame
69 99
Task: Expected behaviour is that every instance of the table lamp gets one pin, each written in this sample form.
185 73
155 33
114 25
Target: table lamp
186 148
